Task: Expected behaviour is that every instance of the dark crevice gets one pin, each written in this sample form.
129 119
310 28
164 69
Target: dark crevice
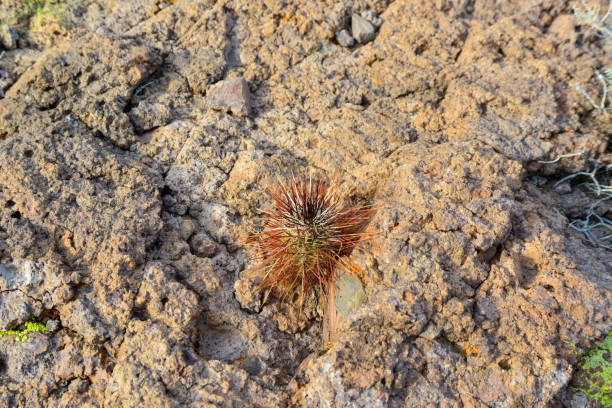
505 364
165 191
491 255
420 49
143 86
444 341
51 106
140 313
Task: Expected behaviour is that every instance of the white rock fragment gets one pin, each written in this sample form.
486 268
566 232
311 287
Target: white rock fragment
52 325
345 39
363 30
372 17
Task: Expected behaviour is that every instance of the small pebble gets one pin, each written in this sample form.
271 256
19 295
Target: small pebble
563 188
52 324
269 27
363 30
345 39
202 245
371 16
75 277
230 95
537 180
187 227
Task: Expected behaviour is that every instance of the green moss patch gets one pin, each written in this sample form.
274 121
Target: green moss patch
594 374
28 327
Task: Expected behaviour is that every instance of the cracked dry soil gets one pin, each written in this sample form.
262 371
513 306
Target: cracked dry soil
125 186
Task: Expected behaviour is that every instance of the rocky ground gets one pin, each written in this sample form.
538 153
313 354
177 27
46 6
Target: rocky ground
138 139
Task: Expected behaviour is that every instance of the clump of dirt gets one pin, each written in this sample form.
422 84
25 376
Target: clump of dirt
135 150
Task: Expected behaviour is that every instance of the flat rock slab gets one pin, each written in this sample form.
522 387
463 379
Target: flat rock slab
230 95
349 294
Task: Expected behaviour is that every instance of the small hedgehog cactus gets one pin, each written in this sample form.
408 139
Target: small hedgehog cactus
306 235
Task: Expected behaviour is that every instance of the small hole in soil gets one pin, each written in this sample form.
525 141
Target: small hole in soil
16 215
420 49
166 191
9 204
549 288
28 153
2 365
505 364
140 314
164 301
189 357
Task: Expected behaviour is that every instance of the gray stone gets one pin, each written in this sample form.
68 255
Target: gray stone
563 188
230 95
186 228
146 116
345 39
363 30
371 16
202 245
8 37
52 325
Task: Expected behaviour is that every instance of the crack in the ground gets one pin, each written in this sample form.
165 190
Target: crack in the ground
24 293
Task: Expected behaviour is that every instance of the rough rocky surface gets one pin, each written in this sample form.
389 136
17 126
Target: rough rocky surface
129 176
